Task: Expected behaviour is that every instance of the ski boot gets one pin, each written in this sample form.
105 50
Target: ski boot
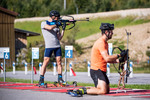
44 85
77 92
61 82
41 82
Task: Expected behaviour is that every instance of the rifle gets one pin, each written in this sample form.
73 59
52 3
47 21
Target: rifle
61 22
123 59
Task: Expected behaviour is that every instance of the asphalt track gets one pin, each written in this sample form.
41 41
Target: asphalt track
13 94
81 77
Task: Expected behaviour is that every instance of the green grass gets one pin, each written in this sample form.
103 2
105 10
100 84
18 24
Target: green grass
31 26
135 86
84 28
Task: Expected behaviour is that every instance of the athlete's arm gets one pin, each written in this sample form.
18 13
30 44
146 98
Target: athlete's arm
109 58
49 27
60 35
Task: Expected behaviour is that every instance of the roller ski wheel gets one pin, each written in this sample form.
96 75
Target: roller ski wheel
56 83
64 83
74 83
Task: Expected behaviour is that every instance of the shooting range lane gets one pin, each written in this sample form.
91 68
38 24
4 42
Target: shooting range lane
141 93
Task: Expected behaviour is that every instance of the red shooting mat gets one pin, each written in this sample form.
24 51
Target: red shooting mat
113 91
11 85
29 86
6 82
15 84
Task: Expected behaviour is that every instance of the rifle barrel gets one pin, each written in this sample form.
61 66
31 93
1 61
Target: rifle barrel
82 20
87 19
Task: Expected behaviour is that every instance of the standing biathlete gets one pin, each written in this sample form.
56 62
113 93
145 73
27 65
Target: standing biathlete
52 35
99 60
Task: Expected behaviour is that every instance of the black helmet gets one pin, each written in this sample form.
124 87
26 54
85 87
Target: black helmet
54 13
106 26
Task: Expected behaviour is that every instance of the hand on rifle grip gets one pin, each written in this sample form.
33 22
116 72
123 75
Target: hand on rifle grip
58 24
123 53
64 26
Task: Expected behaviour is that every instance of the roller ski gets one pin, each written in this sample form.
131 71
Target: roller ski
64 84
77 92
41 82
61 82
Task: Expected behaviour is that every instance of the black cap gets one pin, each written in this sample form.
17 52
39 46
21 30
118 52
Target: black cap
106 26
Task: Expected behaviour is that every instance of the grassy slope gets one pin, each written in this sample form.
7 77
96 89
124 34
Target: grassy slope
85 28
30 26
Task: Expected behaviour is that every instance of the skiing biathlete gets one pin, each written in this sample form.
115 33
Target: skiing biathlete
52 35
99 60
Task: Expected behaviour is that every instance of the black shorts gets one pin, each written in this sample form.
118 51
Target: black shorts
98 74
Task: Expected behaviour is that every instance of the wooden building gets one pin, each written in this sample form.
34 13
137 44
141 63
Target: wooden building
21 38
7 34
10 37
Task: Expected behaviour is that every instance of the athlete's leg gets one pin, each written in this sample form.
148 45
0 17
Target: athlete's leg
43 70
58 55
47 55
59 66
102 88
45 63
101 82
108 88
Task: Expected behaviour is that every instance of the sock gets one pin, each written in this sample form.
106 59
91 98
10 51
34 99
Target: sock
60 78
41 79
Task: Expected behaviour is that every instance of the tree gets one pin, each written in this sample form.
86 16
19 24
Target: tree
34 8
148 53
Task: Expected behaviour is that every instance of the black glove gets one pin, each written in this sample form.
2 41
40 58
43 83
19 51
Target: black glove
64 26
123 53
121 60
58 23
